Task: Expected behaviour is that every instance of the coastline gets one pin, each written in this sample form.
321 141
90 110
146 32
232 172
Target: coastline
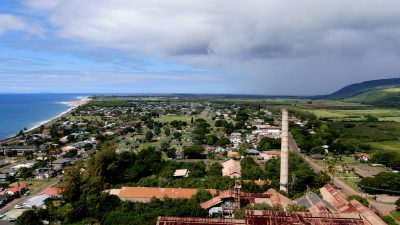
72 104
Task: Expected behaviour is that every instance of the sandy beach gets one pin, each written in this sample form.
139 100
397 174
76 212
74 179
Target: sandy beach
72 104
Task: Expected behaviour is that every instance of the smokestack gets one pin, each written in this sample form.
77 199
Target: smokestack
284 151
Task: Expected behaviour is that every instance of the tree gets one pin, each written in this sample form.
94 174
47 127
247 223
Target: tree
223 142
72 190
370 118
229 128
211 139
267 143
202 196
215 170
167 131
149 135
397 203
220 123
177 135
332 169
362 200
193 152
25 172
157 131
28 217
71 153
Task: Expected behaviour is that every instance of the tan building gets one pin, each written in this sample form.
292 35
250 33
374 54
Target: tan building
145 194
231 168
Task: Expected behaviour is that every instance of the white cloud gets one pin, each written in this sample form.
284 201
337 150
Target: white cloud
260 38
10 22
257 28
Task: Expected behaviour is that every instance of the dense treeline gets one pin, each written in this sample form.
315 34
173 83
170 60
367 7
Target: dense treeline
387 158
382 183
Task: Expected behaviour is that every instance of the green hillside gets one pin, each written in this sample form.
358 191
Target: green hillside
358 88
387 96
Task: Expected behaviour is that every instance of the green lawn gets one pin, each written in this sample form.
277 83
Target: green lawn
396 215
352 182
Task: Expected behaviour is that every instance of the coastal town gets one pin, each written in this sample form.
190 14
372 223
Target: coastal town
191 160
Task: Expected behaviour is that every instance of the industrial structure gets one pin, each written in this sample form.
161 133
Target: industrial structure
284 152
332 209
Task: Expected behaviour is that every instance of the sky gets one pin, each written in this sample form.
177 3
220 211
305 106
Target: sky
268 47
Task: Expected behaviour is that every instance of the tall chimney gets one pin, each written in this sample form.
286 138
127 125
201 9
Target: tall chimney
284 151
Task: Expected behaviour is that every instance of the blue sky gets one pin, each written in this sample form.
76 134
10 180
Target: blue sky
168 46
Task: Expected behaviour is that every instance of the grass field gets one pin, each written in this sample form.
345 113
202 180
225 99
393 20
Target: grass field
382 114
370 131
386 145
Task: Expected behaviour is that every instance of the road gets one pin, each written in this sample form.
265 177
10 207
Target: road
22 199
382 208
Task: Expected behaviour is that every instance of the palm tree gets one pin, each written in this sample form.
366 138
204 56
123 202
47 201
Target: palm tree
332 169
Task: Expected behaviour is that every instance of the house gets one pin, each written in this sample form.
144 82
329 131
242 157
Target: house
145 194
36 201
67 148
268 155
253 152
231 168
53 192
6 178
16 148
181 173
326 148
363 157
45 174
251 138
235 138
233 155
259 121
318 156
16 190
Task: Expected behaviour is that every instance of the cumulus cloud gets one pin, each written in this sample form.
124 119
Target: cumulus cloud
271 41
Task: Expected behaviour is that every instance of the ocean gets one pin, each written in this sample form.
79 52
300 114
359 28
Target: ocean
19 111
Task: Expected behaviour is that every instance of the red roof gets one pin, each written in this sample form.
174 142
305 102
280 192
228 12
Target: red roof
52 191
258 217
16 189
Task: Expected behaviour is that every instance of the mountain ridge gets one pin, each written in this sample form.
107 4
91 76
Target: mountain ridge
358 88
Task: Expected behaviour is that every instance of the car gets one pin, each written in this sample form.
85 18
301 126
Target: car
18 207
27 193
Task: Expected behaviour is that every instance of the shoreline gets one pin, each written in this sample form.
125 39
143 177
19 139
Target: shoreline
72 104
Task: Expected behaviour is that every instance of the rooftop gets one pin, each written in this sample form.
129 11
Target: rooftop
149 192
